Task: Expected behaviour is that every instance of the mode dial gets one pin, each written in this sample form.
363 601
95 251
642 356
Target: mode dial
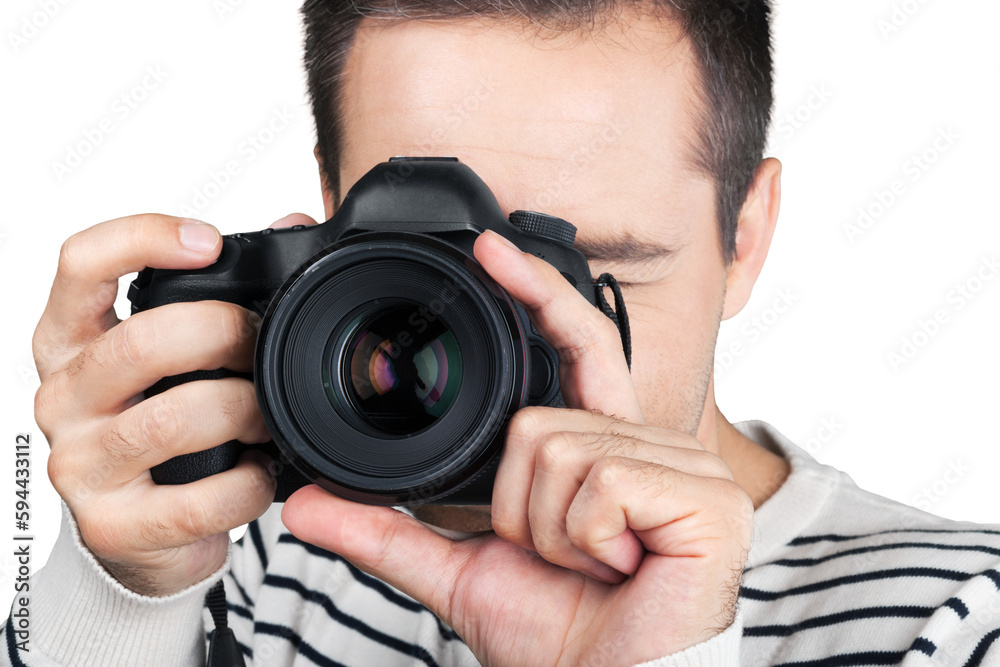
547 226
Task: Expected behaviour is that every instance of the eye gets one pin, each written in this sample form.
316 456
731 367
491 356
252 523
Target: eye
633 274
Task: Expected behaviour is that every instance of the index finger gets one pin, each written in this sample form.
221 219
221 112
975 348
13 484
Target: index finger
593 374
81 303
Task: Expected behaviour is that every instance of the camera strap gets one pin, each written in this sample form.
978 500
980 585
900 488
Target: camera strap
618 314
223 649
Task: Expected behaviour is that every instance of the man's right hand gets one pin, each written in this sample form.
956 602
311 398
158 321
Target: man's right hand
104 437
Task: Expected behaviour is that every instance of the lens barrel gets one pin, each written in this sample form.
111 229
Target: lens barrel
387 367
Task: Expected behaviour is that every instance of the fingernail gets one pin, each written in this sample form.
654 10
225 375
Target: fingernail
503 239
199 237
291 219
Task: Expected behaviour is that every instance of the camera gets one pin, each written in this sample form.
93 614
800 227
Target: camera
387 362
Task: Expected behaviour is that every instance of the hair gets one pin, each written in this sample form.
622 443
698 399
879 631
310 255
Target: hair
730 40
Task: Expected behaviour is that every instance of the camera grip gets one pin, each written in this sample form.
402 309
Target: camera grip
196 465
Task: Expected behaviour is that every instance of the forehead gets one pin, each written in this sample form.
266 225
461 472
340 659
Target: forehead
590 127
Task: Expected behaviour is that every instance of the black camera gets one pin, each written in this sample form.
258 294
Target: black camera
387 362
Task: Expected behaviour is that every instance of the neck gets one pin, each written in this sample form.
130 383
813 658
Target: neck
758 471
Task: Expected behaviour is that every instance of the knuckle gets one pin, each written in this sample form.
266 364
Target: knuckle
234 327
605 329
160 424
229 325
554 455
714 466
654 480
139 232
58 470
732 501
38 343
46 340
592 333
506 527
259 489
132 342
45 404
526 424
117 448
605 475
76 477
71 256
545 535
48 344
382 548
77 363
584 345
510 524
196 520
237 401
579 530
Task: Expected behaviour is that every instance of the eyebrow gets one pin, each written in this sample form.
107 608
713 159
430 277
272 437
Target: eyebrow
622 249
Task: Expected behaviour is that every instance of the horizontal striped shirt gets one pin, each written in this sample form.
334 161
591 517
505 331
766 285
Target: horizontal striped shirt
836 577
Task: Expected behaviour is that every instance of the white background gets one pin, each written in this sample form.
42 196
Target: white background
855 102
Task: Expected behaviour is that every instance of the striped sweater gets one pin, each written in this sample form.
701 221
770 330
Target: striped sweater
836 577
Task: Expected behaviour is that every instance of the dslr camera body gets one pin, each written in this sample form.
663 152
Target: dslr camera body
387 362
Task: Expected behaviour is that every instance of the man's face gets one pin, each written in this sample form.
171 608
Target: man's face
598 130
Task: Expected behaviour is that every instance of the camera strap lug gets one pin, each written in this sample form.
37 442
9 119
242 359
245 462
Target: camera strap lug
618 314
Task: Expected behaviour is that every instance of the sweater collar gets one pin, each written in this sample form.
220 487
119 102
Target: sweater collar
795 505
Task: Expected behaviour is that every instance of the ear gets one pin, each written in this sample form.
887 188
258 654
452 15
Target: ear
754 230
328 204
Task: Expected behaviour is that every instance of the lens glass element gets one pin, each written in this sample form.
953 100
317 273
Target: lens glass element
401 368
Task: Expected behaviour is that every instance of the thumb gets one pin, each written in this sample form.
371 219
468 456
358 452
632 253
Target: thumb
291 220
383 542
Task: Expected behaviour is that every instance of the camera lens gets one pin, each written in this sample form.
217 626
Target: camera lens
387 367
401 368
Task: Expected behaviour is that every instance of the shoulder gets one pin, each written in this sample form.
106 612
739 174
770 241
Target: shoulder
846 572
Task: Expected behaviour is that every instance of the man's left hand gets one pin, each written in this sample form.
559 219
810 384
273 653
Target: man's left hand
616 542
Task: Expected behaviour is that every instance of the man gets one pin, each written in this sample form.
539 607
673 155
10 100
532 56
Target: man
622 525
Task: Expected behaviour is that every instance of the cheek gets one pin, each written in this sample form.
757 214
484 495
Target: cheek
674 329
